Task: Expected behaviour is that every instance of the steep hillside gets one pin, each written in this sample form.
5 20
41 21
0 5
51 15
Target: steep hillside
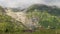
46 16
20 16
7 23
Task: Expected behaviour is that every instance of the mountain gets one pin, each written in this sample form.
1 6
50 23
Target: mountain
53 10
45 15
37 17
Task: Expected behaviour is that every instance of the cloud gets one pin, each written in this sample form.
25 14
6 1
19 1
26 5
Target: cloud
25 3
53 2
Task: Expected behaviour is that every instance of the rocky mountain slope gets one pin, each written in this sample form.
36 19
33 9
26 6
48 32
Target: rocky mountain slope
20 16
34 13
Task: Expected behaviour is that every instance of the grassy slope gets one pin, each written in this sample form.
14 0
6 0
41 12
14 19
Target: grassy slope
8 24
5 22
46 18
48 15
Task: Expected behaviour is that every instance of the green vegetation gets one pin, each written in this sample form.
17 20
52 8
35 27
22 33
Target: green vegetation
8 24
53 10
45 19
46 16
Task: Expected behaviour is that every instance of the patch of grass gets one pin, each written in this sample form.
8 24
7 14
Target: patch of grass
45 31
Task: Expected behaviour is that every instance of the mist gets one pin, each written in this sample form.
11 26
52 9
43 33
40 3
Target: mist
26 3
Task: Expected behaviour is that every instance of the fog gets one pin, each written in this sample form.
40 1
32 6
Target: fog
26 3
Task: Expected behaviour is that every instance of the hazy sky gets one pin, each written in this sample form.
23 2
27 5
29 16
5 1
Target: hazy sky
25 3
